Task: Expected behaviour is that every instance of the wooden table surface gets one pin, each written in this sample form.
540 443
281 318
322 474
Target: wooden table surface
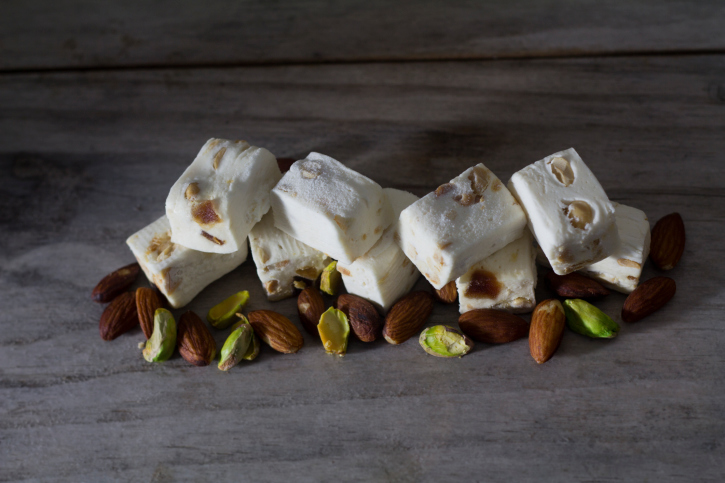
103 105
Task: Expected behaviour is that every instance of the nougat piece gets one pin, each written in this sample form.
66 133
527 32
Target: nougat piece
505 280
221 196
461 222
180 273
567 210
281 259
330 207
621 270
383 274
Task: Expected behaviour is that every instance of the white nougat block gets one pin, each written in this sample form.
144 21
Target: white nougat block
180 273
330 207
505 280
568 211
281 259
458 224
621 270
221 196
383 274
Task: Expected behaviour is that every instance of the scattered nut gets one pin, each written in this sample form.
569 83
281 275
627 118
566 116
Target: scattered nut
547 328
330 279
276 330
115 283
584 318
575 285
237 345
195 342
668 241
119 317
310 307
222 314
160 346
147 302
444 341
649 297
334 331
407 316
448 294
493 326
364 319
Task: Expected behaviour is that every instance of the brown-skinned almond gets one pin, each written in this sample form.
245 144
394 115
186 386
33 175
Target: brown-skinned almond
668 241
147 301
575 286
310 307
547 328
407 317
493 326
115 283
119 317
364 319
276 330
195 342
448 294
649 297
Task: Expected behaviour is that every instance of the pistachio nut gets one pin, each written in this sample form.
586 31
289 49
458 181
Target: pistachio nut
222 314
586 319
236 345
162 342
334 331
253 349
330 279
445 341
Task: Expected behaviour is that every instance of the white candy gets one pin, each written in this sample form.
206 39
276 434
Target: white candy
622 269
383 274
331 208
460 223
280 259
180 273
505 280
567 210
221 195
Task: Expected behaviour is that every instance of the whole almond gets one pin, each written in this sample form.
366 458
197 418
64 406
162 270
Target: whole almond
547 328
447 294
276 330
119 317
649 297
575 286
668 241
115 283
310 307
364 319
195 342
493 326
146 304
407 317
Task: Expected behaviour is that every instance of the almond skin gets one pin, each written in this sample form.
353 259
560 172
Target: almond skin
649 297
364 319
276 330
407 317
310 307
668 241
547 328
493 326
115 283
575 286
195 342
119 317
448 294
146 304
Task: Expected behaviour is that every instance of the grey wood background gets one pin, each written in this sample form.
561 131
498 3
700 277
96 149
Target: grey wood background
102 106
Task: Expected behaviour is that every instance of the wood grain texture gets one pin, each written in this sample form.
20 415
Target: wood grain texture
88 158
43 34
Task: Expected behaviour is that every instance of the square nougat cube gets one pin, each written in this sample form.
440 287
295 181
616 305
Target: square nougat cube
180 273
461 222
221 196
568 211
384 273
330 207
281 259
505 280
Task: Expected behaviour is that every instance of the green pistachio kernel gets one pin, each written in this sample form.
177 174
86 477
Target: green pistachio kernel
222 314
237 345
334 331
162 342
586 319
330 279
445 341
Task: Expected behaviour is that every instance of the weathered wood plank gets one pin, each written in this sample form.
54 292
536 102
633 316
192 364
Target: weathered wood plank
88 158
42 34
